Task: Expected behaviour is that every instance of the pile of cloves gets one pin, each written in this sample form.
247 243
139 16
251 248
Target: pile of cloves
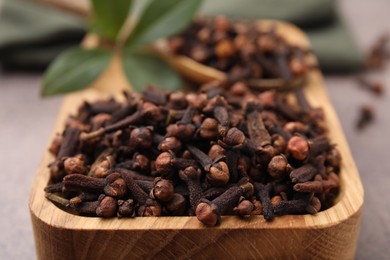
241 49
224 150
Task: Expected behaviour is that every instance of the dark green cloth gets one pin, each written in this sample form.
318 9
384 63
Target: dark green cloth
32 35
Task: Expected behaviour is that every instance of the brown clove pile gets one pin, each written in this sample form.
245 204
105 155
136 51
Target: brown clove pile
241 49
225 150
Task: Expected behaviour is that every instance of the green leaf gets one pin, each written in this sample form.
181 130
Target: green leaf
163 18
73 70
108 17
142 69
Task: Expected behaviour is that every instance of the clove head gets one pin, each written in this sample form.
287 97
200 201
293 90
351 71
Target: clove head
218 174
190 173
267 98
116 189
298 148
141 163
314 206
279 143
258 207
178 100
102 168
246 187
163 163
278 167
151 209
152 112
209 129
100 119
56 144
163 190
75 164
239 89
216 151
224 49
197 101
221 23
170 143
107 207
177 205
207 214
296 127
244 207
181 131
125 208
297 66
275 200
333 158
141 138
234 137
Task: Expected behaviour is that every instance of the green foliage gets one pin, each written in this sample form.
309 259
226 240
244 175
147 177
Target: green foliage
73 70
163 19
143 69
77 68
108 17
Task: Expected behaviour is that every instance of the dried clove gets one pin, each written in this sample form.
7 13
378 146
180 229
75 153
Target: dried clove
240 49
375 87
162 190
217 171
263 194
209 212
167 153
191 176
366 116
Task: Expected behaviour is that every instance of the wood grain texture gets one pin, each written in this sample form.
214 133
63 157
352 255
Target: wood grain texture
330 234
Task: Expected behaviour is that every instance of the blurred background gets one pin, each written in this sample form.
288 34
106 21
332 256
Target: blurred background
342 34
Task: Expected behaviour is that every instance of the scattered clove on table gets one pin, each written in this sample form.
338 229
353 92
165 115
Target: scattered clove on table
366 116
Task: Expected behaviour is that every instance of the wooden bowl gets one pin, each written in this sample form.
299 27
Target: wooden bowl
330 234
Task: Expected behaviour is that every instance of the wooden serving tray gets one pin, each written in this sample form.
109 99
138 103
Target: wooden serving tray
330 234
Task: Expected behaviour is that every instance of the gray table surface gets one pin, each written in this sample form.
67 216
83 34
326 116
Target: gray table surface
27 121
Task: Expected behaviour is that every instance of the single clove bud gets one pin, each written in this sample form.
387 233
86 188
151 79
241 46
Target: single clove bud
162 190
166 163
170 143
216 151
191 176
262 192
107 207
151 209
75 165
217 172
140 195
209 212
125 208
366 116
102 165
375 87
141 138
244 207
184 129
303 174
278 167
176 206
